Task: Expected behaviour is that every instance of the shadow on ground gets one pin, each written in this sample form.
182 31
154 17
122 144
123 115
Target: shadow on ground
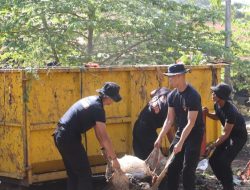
99 184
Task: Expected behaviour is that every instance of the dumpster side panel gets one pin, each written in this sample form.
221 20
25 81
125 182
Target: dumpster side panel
52 92
13 98
61 90
118 116
50 95
11 125
95 80
136 85
142 83
2 87
11 152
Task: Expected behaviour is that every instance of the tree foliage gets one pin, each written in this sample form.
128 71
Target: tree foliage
241 35
36 32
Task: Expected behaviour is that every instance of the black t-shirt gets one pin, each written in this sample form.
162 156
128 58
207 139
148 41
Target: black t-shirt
182 102
84 114
230 114
149 120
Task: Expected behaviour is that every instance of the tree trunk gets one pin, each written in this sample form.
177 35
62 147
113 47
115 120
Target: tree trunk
90 41
51 44
91 17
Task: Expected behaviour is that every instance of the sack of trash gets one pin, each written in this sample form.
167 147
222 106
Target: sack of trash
137 174
202 165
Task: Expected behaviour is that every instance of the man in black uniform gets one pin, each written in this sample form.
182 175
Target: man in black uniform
234 136
80 117
151 117
185 111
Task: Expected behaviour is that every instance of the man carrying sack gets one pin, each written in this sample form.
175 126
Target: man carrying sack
185 111
85 114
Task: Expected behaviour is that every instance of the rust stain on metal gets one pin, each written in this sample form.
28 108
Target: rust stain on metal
143 87
143 92
159 76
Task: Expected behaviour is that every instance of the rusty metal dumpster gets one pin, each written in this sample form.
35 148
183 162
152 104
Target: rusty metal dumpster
32 101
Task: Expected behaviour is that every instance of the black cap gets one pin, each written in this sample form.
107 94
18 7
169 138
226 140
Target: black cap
222 91
111 90
176 69
161 91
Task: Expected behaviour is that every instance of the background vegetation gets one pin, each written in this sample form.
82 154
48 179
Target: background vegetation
37 32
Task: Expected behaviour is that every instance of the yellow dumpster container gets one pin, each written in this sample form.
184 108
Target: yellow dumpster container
32 101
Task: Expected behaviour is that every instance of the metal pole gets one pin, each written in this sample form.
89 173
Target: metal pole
228 32
228 24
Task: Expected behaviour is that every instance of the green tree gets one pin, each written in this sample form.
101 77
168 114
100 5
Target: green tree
108 32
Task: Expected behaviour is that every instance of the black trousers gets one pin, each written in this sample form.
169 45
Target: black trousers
185 161
222 157
75 160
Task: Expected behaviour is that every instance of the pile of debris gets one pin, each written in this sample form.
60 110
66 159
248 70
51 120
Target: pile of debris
137 174
245 174
206 180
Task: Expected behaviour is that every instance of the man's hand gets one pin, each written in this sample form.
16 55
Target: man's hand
209 150
116 164
158 142
205 110
178 148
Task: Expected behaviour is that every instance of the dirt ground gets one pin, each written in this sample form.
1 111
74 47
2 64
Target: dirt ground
207 181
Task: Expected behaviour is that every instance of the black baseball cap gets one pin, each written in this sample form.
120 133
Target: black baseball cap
111 90
222 91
